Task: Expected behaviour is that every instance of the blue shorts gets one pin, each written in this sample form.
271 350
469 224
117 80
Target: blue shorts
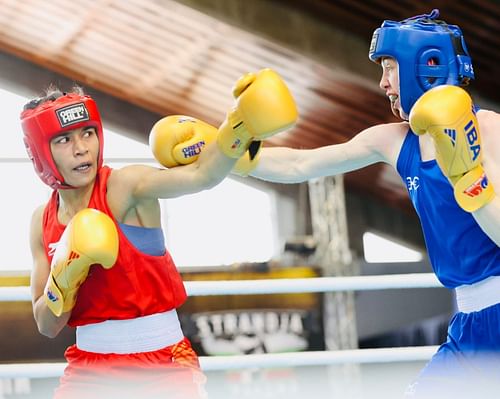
467 365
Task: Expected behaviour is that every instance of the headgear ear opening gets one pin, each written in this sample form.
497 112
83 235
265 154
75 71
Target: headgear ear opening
413 43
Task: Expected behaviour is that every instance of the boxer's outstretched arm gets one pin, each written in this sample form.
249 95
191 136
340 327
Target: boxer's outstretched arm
379 143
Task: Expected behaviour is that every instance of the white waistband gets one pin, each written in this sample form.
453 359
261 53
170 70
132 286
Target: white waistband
478 296
143 334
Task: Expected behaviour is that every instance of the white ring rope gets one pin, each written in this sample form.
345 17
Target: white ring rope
268 286
318 284
268 360
281 286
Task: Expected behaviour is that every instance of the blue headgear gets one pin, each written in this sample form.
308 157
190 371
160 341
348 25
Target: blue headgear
429 53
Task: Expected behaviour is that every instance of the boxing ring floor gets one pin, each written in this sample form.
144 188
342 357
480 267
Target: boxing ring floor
352 381
349 381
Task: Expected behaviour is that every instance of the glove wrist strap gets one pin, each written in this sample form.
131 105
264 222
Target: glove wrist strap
233 138
56 301
248 161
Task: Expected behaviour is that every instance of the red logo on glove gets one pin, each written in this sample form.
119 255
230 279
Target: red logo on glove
72 256
236 144
476 188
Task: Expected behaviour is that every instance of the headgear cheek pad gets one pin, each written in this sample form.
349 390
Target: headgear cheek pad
429 53
48 120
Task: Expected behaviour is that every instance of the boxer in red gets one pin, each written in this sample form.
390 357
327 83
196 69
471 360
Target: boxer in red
100 263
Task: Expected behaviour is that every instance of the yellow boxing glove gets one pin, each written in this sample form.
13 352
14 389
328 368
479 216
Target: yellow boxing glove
178 140
89 238
446 113
264 107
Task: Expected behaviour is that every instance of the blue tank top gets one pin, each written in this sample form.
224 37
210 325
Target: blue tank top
459 251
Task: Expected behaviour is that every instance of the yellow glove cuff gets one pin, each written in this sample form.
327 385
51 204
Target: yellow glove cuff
233 138
473 191
55 300
248 161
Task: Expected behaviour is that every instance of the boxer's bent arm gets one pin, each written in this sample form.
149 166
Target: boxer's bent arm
146 182
48 324
379 143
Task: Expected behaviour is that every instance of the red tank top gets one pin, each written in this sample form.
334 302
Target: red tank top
137 285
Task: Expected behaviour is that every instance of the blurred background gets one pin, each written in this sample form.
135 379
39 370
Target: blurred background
144 59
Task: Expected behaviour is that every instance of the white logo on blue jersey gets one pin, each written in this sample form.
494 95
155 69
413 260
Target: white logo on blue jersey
412 183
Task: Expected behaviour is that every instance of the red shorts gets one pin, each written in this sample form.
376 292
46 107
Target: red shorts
172 372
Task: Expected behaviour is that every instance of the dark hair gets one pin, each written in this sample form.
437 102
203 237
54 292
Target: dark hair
52 93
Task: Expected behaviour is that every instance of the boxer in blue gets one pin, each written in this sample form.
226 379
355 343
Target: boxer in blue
447 152
449 174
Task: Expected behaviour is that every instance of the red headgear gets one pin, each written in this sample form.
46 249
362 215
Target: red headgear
50 119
